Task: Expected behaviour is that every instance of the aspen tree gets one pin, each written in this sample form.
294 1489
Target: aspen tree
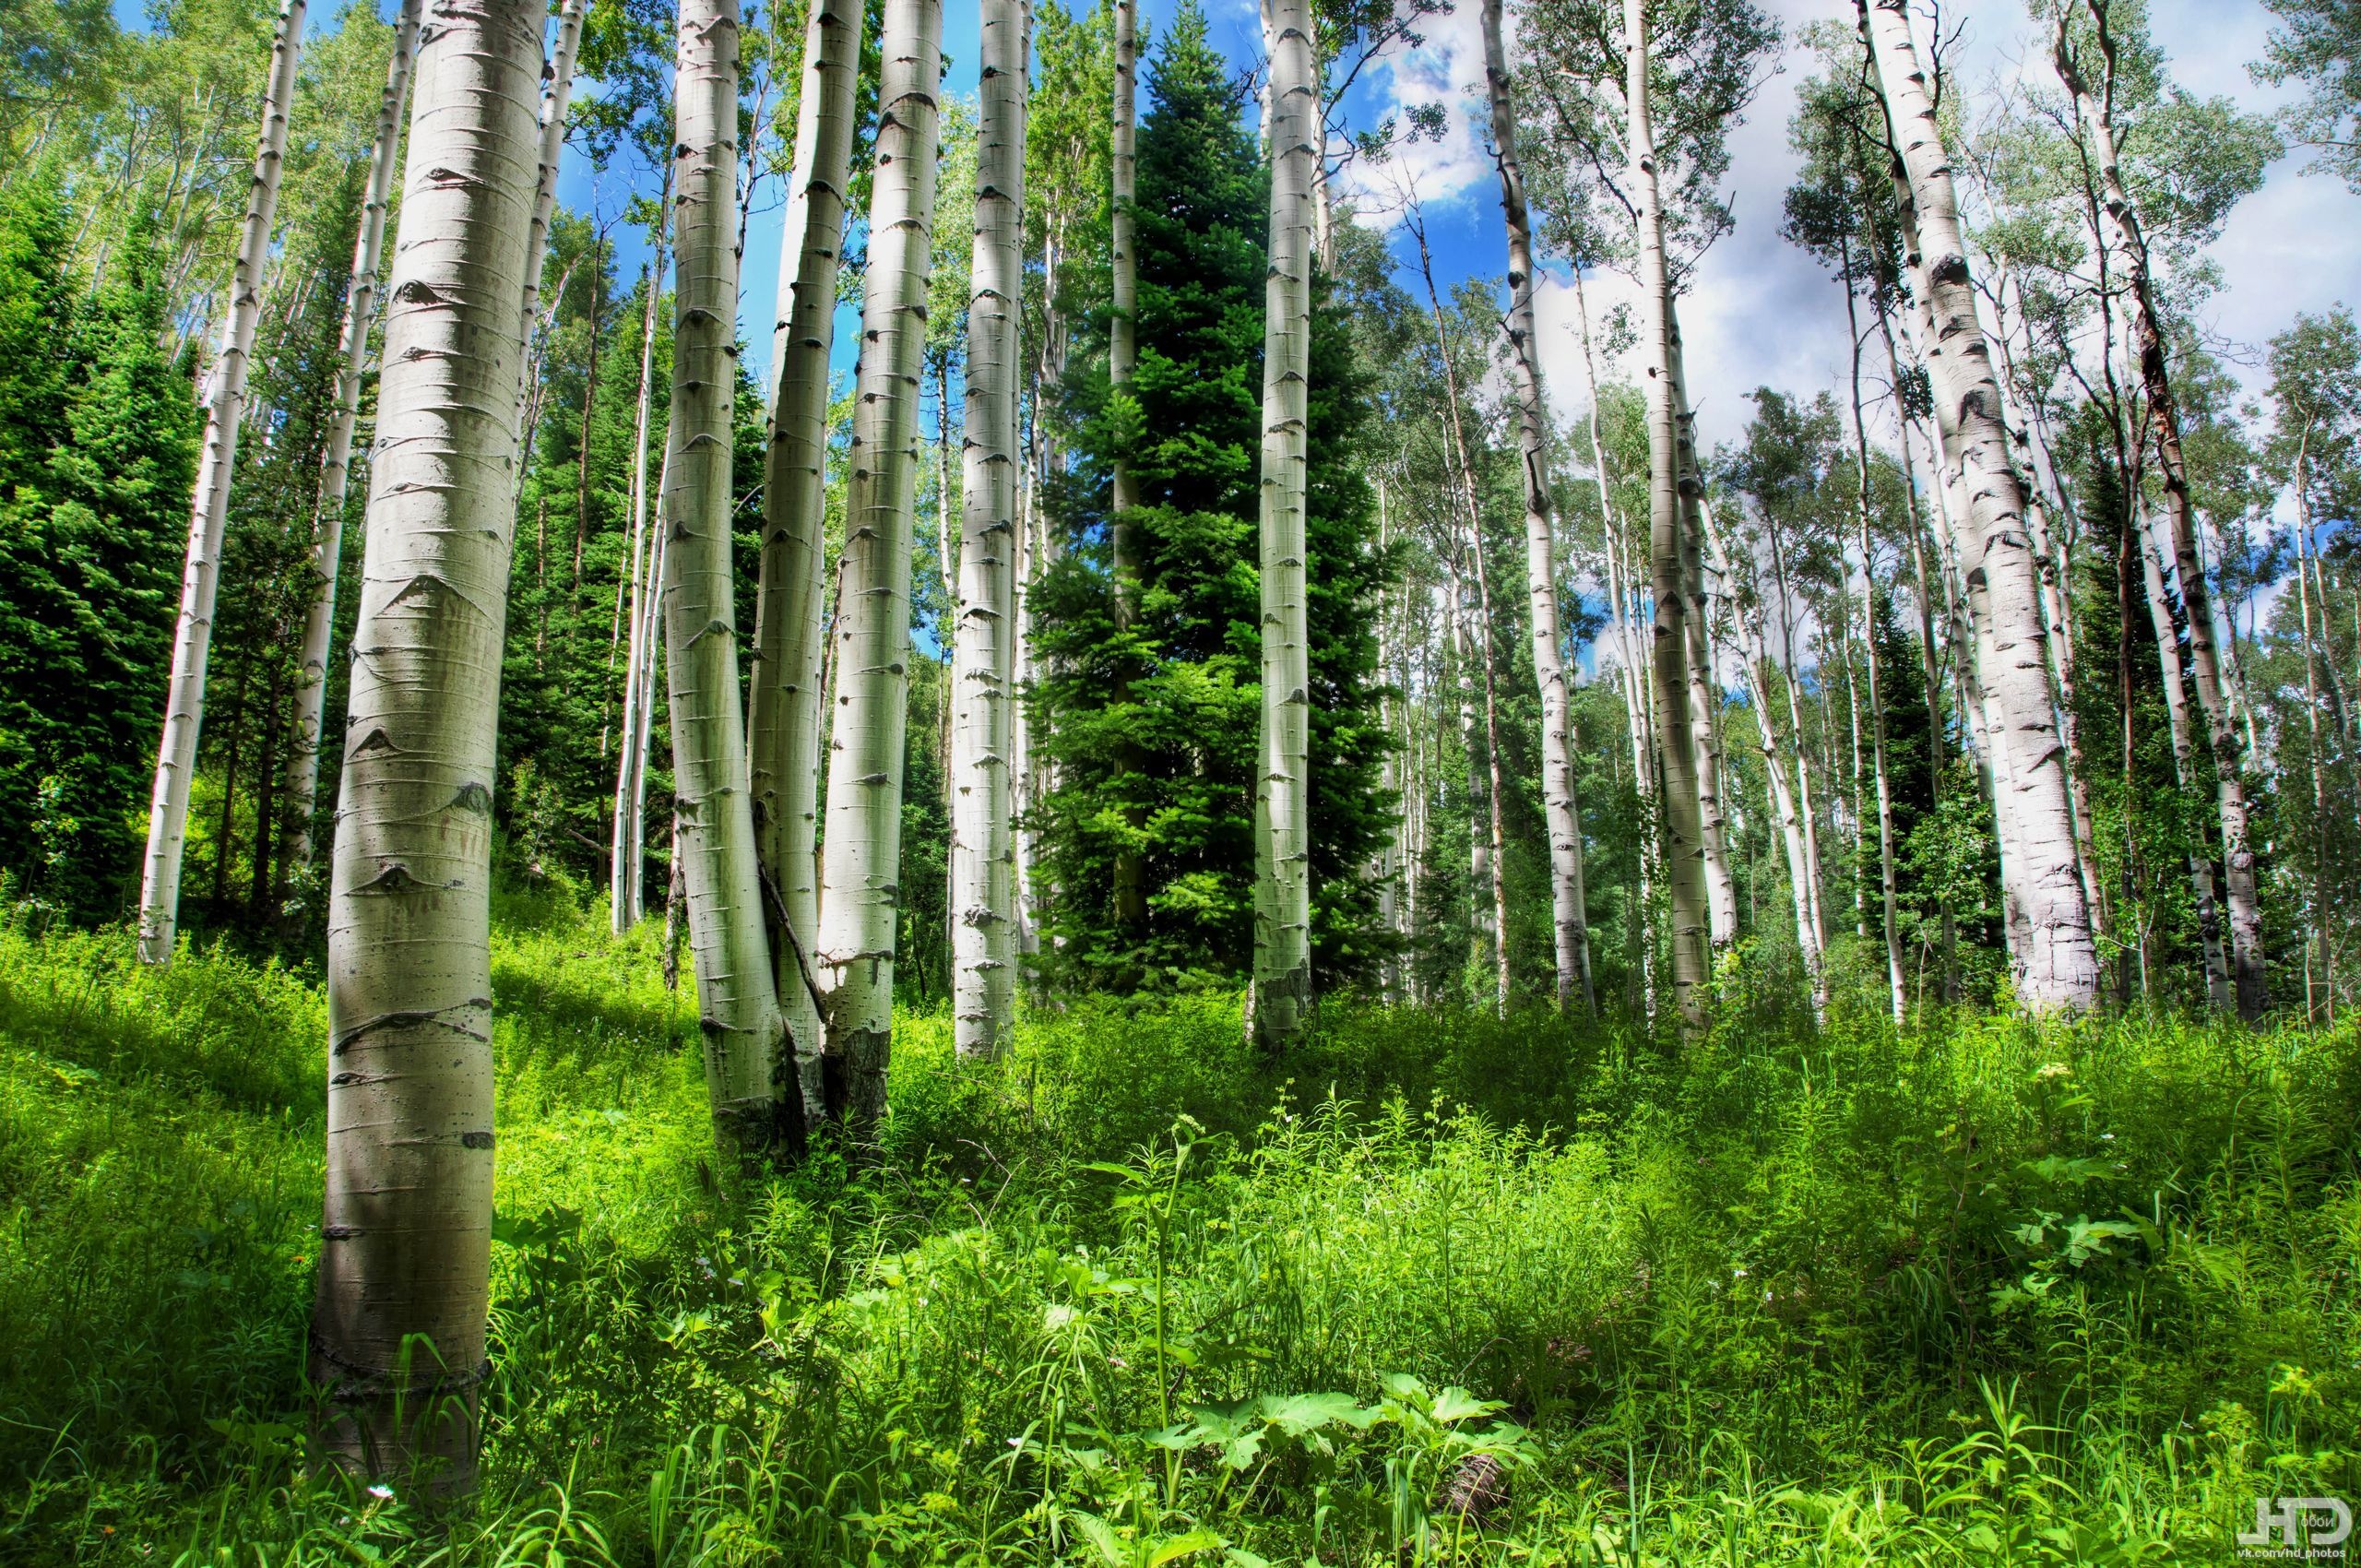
1283 788
713 829
983 889
225 407
1561 810
627 850
2060 969
861 871
2095 108
1704 682
557 88
398 1335
1676 744
335 467
783 764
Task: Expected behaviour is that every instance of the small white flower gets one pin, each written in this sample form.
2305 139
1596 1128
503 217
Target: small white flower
381 1491
1739 1270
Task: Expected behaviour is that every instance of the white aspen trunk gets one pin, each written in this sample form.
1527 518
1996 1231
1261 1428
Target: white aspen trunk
2061 968
862 865
1890 926
983 884
1484 941
713 831
1704 683
626 900
2164 423
159 887
2218 989
2319 996
783 740
1562 811
1122 353
1676 736
398 1327
557 88
335 467
1283 794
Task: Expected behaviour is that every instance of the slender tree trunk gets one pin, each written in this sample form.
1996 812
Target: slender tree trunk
589 405
1283 794
1122 356
1676 738
1561 810
983 890
2164 421
335 469
2218 987
1704 683
625 903
2320 1000
1485 944
1895 977
397 1335
861 868
2062 968
160 888
714 847
784 725
557 88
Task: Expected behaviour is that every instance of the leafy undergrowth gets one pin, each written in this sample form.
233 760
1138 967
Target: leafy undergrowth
1435 1288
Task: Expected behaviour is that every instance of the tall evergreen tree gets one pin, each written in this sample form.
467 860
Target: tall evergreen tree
1154 723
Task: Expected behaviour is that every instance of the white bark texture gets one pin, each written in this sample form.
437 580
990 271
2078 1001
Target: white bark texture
335 467
784 759
983 850
1562 811
2061 962
626 870
2164 421
1704 680
2218 990
557 88
1122 353
713 816
861 872
1283 795
159 887
1676 744
406 1237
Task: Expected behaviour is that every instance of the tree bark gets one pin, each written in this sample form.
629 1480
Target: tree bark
625 898
2061 971
1684 830
861 872
1570 922
398 1334
336 469
983 888
1704 683
1896 980
557 88
160 888
1283 795
783 764
2164 429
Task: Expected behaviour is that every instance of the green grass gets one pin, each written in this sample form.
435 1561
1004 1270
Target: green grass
1982 1292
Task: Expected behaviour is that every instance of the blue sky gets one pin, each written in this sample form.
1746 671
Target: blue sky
1759 312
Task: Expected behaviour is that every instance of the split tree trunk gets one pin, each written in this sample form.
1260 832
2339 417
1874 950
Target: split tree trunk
626 900
398 1334
335 467
160 888
720 870
862 867
983 884
557 88
783 762
1561 809
2164 423
2060 970
1283 794
1685 850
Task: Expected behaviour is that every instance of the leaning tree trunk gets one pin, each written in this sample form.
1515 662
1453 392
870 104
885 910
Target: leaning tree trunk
1704 685
398 1334
557 88
713 816
2164 423
1676 744
626 853
1561 810
2061 961
861 868
983 883
1283 786
336 469
2218 989
159 887
1889 922
783 762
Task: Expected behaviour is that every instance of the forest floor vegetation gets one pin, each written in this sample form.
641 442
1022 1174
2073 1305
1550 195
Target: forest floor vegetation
1435 1287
